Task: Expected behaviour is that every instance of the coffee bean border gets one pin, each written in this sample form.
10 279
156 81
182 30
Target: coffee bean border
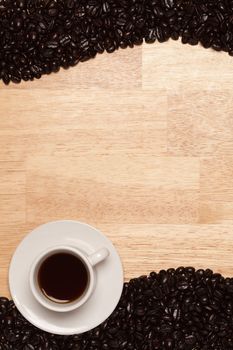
40 36
175 309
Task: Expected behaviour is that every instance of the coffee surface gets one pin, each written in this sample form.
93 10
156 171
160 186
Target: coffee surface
63 277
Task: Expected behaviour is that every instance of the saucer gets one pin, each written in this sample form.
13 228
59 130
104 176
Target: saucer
109 274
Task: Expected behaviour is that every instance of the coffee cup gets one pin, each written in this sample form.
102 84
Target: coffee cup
73 267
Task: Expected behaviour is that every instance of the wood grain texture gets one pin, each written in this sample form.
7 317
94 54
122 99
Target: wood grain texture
138 143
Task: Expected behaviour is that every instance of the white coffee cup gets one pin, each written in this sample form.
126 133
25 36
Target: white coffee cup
89 261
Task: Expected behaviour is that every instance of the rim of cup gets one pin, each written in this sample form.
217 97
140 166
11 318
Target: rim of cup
37 292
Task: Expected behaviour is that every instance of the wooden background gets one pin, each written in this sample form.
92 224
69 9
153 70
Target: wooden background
138 143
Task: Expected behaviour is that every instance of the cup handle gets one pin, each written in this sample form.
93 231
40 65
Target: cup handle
98 256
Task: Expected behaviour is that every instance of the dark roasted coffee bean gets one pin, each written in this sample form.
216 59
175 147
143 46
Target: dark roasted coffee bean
151 36
15 79
20 4
182 285
175 35
52 44
17 23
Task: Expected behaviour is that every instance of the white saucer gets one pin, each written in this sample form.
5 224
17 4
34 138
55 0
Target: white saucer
109 278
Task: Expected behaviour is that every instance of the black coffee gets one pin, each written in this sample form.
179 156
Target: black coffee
63 277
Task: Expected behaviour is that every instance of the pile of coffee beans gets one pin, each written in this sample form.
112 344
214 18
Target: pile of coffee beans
39 36
174 309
